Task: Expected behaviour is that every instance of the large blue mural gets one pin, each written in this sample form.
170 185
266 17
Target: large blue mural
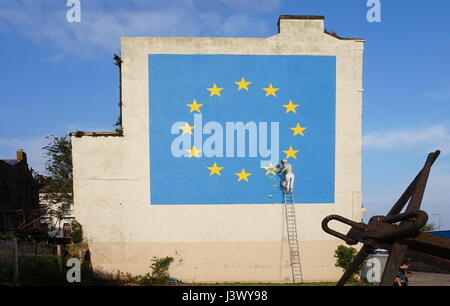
219 124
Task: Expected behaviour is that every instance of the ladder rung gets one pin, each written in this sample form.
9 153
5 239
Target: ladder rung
291 229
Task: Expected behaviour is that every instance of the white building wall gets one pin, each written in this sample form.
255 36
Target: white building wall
213 242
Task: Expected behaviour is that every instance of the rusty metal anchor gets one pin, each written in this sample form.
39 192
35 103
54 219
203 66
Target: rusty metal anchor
397 232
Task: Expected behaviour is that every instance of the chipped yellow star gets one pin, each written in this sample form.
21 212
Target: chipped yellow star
215 169
194 152
242 84
291 153
291 107
270 169
271 90
298 130
214 90
194 106
243 175
187 129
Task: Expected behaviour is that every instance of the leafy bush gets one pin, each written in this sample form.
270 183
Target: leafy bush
160 272
77 232
6 236
40 270
344 257
4 274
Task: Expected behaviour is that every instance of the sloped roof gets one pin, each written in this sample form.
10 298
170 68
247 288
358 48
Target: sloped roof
10 162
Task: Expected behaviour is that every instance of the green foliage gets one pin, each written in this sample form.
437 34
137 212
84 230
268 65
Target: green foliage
74 249
344 256
77 232
4 274
160 272
79 134
59 161
58 195
35 237
6 236
428 227
40 270
119 131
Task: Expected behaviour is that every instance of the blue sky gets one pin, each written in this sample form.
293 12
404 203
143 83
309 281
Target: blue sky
57 77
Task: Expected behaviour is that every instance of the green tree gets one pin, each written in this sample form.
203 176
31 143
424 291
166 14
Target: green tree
344 257
58 178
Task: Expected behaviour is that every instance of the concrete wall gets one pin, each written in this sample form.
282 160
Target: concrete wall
213 242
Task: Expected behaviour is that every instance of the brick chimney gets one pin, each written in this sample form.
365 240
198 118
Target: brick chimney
21 155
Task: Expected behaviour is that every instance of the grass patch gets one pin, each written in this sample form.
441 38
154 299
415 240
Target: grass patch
349 283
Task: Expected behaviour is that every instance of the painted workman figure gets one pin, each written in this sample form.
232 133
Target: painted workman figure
288 180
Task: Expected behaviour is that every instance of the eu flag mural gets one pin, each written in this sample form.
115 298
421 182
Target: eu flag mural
220 124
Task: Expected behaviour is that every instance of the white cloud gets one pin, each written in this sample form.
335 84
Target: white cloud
429 138
102 24
419 139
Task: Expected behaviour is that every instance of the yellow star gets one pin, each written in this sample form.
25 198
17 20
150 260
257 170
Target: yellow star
214 90
270 169
214 169
187 129
194 106
243 175
291 153
194 152
291 107
242 84
271 90
298 130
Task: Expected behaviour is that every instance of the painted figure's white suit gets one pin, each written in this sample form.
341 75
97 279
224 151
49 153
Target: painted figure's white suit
289 177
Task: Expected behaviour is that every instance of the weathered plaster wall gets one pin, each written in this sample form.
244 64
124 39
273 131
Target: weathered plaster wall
213 242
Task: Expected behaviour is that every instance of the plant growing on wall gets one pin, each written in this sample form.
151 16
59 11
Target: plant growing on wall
160 272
